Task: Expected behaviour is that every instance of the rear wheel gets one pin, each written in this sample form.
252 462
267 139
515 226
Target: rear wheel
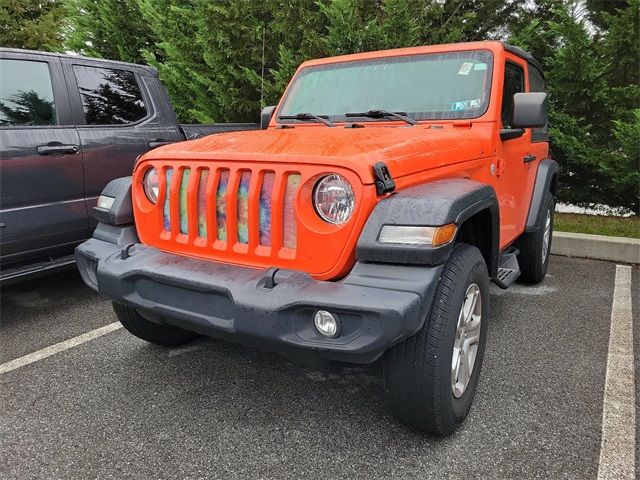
431 378
535 247
151 332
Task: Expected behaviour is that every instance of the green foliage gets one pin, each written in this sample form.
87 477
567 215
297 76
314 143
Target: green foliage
33 24
113 29
592 79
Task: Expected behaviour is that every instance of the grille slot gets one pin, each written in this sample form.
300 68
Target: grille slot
184 214
265 208
221 205
289 231
242 217
221 208
203 183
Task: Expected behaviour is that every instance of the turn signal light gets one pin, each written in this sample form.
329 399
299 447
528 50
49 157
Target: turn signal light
410 235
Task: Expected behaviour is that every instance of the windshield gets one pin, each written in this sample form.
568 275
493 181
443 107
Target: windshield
431 86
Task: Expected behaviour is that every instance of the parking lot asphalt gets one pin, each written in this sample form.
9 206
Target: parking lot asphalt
117 407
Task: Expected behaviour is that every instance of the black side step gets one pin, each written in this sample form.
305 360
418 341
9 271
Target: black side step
508 270
33 270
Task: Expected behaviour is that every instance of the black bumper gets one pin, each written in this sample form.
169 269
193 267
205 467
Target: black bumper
377 305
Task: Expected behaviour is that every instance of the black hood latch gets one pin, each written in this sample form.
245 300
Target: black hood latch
382 179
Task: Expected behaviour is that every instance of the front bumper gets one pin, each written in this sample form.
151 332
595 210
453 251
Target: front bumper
377 305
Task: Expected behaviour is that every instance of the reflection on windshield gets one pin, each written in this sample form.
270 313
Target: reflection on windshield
430 86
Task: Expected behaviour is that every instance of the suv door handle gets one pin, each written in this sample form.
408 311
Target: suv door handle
158 142
529 158
56 147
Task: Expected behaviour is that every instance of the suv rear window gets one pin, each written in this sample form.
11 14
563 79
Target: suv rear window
109 96
26 94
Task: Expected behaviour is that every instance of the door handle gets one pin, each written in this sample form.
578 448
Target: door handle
529 158
158 142
56 147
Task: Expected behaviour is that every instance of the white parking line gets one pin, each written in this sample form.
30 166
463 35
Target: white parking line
617 448
58 347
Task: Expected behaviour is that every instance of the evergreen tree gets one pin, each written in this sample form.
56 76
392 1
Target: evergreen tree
33 24
112 29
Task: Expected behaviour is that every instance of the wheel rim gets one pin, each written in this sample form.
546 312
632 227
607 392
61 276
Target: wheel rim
467 339
546 238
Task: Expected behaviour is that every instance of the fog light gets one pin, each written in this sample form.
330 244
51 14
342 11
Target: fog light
326 323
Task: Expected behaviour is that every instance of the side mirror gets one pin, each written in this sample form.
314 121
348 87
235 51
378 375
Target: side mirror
529 110
265 116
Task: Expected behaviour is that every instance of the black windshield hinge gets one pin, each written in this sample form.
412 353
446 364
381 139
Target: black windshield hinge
383 180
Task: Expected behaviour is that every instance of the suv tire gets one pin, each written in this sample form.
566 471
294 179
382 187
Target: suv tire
535 247
420 375
151 332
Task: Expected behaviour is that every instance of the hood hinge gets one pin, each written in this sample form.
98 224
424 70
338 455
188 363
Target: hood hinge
382 179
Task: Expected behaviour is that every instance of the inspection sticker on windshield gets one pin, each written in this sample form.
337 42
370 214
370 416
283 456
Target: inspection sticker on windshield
465 68
480 66
467 104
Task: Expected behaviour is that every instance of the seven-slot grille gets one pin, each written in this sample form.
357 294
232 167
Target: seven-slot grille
220 207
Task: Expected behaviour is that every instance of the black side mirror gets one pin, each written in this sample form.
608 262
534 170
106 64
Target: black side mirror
265 116
529 110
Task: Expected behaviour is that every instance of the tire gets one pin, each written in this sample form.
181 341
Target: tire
149 331
534 251
418 372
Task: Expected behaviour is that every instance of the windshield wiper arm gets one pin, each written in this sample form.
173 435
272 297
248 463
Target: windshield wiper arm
308 116
381 114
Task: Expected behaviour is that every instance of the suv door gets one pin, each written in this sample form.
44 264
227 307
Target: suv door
516 164
41 177
117 119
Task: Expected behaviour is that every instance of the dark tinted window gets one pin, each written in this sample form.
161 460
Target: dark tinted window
536 84
513 83
26 95
109 96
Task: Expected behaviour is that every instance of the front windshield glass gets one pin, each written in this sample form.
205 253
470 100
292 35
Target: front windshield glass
435 86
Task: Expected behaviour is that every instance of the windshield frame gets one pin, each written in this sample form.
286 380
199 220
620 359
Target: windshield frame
418 116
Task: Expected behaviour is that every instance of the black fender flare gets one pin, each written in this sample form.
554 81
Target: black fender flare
435 203
546 180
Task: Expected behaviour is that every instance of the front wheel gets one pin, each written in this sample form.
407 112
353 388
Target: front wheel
431 377
151 332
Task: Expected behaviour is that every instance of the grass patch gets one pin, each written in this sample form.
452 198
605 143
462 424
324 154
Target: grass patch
598 224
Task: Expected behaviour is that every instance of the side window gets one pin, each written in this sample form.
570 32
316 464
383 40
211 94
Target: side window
109 96
26 94
536 84
513 83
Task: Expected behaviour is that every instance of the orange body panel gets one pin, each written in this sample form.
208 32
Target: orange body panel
413 154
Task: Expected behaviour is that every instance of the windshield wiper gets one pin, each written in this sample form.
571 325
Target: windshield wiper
381 114
308 116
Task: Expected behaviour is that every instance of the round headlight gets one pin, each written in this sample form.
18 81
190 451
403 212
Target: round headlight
151 185
333 199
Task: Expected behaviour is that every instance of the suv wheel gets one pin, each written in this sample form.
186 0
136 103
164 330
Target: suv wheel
431 377
151 332
535 247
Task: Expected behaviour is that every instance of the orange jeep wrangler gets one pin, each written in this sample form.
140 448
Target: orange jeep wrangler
365 221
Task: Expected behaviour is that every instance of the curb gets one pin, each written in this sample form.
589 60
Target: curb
597 247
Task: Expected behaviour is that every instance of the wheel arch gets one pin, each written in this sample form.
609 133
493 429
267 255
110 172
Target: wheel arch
471 205
546 181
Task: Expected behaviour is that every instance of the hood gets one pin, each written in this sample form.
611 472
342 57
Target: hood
404 149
